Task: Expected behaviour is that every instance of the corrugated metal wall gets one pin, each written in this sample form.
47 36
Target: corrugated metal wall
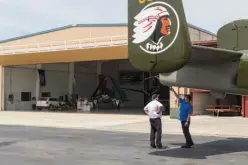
197 35
200 101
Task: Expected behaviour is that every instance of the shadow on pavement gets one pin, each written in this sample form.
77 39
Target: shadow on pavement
201 151
3 144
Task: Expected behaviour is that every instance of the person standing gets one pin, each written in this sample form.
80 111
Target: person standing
154 110
185 111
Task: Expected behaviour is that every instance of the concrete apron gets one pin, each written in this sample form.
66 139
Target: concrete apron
201 125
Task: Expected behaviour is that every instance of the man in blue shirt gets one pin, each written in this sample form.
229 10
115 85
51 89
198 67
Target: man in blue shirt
185 111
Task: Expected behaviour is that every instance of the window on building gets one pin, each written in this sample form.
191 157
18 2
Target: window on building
46 94
26 96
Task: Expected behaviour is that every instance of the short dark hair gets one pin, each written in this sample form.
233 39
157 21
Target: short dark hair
189 97
155 96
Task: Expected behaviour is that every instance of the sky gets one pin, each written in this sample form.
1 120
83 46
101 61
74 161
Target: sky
20 17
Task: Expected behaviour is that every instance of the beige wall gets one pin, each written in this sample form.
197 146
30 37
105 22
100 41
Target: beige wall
180 91
73 33
194 34
1 88
200 102
197 35
205 37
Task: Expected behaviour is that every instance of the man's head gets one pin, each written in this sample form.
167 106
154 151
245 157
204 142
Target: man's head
187 98
155 97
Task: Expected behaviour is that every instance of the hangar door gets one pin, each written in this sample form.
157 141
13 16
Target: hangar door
19 87
20 83
85 78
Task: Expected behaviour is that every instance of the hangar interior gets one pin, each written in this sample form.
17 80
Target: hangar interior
203 99
23 83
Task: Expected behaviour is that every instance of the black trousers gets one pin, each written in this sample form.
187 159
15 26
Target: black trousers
186 133
156 132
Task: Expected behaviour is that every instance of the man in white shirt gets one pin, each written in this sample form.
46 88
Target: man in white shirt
154 111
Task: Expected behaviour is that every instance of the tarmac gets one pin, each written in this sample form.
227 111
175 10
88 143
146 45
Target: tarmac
200 125
42 138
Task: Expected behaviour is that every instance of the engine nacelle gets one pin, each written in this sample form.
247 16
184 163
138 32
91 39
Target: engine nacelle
242 73
234 36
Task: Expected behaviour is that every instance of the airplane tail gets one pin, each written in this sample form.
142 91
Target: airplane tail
158 38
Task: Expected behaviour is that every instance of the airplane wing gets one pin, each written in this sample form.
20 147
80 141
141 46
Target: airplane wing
201 55
213 69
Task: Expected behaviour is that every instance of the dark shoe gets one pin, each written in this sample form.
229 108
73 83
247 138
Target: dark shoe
153 147
186 146
191 144
161 147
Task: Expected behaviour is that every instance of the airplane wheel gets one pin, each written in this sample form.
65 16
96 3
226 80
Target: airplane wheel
118 107
50 107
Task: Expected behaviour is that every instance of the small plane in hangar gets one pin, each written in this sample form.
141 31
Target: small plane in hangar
159 42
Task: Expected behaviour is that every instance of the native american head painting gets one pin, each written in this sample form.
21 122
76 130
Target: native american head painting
151 25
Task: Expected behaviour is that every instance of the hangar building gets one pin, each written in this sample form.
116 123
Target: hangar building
71 58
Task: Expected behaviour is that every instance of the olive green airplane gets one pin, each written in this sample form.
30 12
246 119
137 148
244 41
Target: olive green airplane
159 42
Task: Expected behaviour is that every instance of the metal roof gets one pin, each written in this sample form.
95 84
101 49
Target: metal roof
86 25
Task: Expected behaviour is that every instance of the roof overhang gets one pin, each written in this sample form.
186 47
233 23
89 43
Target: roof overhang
91 54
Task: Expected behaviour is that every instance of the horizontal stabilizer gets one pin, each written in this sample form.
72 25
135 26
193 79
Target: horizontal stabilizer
201 55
